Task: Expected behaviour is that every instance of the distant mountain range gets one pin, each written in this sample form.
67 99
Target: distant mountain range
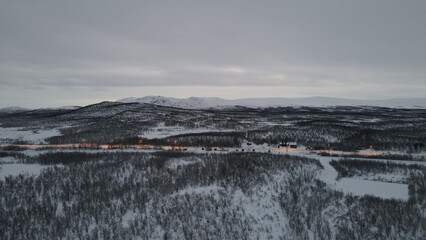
205 103
211 102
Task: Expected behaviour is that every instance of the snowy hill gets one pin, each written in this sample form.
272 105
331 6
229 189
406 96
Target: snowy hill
190 103
203 103
9 110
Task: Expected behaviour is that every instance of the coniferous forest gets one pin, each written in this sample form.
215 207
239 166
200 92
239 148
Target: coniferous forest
173 195
212 174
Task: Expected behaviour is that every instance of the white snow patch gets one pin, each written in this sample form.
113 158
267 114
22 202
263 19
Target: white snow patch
128 217
329 174
385 177
60 210
4 160
273 124
200 190
15 169
176 162
162 131
91 227
33 136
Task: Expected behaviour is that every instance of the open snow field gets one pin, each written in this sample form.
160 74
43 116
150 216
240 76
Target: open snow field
14 169
33 136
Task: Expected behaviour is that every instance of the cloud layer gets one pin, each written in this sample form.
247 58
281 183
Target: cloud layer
356 49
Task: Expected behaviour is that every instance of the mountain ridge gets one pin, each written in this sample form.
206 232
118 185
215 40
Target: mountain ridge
212 102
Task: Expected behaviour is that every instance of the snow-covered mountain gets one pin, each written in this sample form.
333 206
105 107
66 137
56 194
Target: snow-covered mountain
189 103
203 103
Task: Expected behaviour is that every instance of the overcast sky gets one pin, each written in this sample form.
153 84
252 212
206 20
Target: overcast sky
57 53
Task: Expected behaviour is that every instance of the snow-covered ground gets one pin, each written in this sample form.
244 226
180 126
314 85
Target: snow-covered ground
14 169
4 160
381 177
264 209
33 136
162 131
175 163
356 186
129 216
329 174
363 187
13 109
380 185
200 190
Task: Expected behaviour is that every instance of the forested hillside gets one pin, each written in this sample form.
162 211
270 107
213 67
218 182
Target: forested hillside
344 128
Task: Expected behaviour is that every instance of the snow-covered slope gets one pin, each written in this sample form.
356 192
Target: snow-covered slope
9 110
61 108
12 110
200 103
191 103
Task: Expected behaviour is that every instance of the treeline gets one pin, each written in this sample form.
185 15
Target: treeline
66 158
355 167
400 157
16 154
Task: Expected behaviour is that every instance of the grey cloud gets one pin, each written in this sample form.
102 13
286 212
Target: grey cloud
213 43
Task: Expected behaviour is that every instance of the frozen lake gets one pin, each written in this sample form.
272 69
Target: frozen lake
362 187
